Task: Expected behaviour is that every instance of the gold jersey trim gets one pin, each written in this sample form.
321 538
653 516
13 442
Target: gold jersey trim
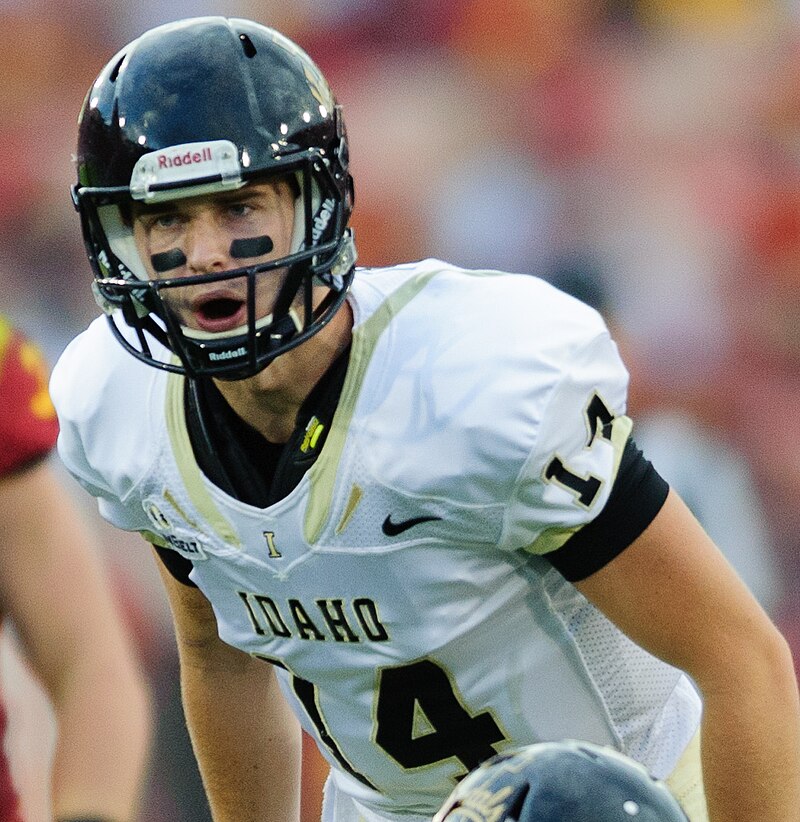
175 414
322 474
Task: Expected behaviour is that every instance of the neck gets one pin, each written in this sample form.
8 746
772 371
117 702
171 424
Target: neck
270 401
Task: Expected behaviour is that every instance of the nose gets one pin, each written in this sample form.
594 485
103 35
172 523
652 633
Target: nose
207 244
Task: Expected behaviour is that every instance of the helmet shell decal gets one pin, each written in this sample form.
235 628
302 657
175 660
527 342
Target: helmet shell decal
163 174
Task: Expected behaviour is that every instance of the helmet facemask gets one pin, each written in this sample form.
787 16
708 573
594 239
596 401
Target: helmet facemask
127 294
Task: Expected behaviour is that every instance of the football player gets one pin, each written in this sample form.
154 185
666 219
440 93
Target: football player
568 781
53 591
400 508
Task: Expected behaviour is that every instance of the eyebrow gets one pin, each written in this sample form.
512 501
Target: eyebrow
170 207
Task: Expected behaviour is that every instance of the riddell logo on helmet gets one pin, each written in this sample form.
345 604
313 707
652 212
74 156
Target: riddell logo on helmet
227 355
187 159
322 219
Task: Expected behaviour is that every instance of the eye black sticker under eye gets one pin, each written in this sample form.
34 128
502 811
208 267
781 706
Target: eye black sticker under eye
246 247
252 246
167 260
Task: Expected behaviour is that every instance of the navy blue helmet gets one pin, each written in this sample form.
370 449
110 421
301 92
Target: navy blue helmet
565 781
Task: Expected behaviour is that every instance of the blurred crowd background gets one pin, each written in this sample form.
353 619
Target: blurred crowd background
643 154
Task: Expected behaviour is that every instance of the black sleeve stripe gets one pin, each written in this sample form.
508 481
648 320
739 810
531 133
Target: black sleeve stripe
638 494
178 566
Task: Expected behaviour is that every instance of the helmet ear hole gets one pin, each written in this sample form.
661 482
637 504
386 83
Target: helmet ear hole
247 46
514 813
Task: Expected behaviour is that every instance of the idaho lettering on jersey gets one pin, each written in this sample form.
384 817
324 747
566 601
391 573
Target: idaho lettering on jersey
355 621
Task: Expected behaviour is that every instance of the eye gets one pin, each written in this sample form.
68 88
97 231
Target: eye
157 222
239 209
164 221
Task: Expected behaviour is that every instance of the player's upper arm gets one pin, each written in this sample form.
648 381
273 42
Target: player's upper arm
192 614
673 592
48 554
636 497
196 631
587 492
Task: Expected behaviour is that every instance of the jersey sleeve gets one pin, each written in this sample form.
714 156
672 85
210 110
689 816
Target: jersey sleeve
636 497
87 436
581 438
74 458
28 423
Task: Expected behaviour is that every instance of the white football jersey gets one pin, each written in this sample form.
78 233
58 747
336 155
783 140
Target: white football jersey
400 588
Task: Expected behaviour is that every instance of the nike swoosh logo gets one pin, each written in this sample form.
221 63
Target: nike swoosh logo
392 529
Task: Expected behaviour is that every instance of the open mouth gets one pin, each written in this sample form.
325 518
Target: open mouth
220 309
217 314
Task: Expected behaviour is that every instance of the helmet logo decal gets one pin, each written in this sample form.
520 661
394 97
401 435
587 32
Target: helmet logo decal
209 166
322 219
318 87
483 805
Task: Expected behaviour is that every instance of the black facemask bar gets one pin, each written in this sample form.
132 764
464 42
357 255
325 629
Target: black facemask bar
142 307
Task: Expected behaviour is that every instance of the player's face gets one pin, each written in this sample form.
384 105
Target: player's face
212 234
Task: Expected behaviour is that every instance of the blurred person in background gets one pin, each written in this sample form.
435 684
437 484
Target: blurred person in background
55 598
356 480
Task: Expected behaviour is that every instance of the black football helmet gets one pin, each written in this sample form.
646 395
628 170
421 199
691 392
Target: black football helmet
565 781
191 108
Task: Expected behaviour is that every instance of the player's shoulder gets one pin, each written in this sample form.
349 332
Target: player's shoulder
28 425
108 405
94 373
494 309
490 290
502 364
